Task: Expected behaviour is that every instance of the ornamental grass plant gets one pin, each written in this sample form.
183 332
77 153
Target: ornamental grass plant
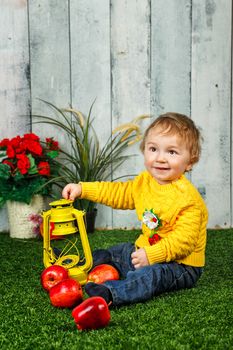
195 319
85 159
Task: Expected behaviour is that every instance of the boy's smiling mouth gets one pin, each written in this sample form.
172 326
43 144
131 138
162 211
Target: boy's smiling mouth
161 168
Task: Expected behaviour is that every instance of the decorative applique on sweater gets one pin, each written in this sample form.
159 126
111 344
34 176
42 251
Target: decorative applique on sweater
178 207
151 220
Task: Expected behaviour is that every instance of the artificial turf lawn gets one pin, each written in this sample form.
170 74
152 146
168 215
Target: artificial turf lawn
199 318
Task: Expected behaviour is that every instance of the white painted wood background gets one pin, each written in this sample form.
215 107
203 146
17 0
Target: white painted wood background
134 56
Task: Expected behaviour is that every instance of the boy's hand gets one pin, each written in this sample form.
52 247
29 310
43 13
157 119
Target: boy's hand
139 258
72 191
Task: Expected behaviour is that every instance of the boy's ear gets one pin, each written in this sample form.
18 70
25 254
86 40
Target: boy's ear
189 167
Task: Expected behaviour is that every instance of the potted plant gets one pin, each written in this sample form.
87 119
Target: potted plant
27 164
86 160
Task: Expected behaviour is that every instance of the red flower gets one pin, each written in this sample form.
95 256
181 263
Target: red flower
15 142
8 162
53 145
14 146
31 136
23 163
154 239
44 168
32 144
34 147
4 143
10 151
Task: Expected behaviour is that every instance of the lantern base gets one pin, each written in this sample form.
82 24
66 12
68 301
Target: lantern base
72 263
78 274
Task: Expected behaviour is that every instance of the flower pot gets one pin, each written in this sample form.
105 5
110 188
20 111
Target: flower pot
90 217
19 216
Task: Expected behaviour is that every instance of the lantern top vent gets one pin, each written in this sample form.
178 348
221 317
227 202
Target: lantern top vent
61 203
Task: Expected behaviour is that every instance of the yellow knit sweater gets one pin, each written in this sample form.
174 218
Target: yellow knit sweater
178 205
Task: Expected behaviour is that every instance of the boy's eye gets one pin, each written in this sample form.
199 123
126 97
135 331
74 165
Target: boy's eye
152 149
172 152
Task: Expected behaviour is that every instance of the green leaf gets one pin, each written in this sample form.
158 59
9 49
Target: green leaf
2 155
52 154
18 176
5 171
2 202
23 190
33 168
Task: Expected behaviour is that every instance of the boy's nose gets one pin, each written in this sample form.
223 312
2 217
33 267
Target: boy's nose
160 157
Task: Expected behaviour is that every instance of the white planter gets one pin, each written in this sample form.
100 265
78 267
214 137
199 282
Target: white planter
20 225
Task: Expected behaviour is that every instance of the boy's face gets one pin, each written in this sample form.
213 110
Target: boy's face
166 157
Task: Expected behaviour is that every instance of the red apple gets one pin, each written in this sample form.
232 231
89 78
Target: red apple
53 275
103 273
66 293
92 313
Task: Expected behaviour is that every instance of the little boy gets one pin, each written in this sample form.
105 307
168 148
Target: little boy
170 253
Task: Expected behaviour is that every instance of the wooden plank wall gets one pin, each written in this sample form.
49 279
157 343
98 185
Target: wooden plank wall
134 57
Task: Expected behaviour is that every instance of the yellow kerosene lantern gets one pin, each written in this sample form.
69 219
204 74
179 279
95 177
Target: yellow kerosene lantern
63 221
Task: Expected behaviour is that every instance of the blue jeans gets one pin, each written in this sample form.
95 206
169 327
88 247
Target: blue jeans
138 285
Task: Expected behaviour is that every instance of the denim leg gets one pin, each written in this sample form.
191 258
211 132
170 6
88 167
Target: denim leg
144 283
118 256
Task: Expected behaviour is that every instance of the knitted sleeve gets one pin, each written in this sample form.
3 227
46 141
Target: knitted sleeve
181 241
118 195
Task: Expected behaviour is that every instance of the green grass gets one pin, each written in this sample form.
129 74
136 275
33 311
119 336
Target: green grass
199 318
